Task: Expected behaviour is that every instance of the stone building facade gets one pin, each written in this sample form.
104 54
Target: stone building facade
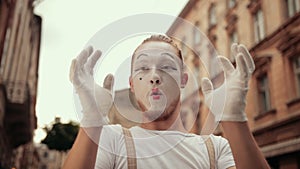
20 33
270 30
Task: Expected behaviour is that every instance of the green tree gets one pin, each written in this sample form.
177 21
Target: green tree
61 136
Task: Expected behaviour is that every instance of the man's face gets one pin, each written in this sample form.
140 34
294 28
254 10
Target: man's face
156 78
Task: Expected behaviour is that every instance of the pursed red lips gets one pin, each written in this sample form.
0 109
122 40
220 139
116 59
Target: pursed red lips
156 94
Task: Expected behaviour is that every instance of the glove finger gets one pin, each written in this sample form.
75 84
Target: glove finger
241 65
206 86
89 50
234 50
247 57
227 66
92 61
108 82
72 70
82 58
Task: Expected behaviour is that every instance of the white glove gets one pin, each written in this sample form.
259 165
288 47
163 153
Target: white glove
95 100
235 87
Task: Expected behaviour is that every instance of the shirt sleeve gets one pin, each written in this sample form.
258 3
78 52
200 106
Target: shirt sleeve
106 154
223 152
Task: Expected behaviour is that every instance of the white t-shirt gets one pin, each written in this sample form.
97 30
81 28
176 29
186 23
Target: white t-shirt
160 149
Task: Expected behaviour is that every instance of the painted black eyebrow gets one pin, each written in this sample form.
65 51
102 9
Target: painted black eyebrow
168 55
141 55
172 57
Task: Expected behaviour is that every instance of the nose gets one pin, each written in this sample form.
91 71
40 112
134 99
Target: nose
155 79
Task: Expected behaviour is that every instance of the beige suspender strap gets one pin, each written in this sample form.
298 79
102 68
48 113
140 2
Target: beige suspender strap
130 148
211 152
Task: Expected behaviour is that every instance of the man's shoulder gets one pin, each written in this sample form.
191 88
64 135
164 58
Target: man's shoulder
217 140
112 130
112 127
215 137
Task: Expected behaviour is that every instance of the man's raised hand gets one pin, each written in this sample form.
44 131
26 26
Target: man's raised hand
95 100
233 90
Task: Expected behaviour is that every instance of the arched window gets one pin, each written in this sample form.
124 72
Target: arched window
212 15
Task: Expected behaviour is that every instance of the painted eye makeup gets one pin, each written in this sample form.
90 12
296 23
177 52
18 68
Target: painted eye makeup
167 67
142 68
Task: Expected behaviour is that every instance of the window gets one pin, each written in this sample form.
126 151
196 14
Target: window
46 154
212 15
213 61
233 39
197 34
231 3
5 50
293 6
263 93
197 73
183 47
259 28
263 85
296 65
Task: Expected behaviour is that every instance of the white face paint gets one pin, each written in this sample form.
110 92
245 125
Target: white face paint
156 78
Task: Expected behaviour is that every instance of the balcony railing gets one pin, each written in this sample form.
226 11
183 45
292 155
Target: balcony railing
18 116
17 91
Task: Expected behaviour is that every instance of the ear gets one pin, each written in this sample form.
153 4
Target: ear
131 84
184 79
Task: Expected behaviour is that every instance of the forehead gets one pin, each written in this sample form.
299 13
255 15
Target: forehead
157 44
156 47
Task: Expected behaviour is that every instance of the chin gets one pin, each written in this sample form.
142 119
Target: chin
159 114
156 115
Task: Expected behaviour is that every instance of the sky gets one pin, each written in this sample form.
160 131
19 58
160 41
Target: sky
67 27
